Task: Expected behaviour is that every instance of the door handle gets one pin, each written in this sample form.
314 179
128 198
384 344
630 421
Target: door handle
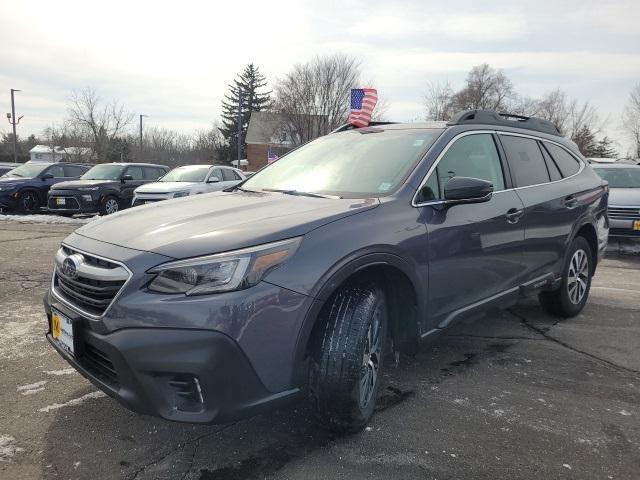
571 202
514 215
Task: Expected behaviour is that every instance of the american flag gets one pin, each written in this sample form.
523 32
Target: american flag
271 156
363 100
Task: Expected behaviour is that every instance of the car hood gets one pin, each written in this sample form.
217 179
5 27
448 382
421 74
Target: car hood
4 180
624 197
219 222
163 187
81 183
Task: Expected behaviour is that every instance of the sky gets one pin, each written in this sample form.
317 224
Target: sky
173 60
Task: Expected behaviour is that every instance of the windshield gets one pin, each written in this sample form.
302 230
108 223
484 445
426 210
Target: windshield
27 171
104 172
620 177
191 173
353 164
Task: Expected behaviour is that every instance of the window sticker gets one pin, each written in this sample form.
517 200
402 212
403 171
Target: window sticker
384 186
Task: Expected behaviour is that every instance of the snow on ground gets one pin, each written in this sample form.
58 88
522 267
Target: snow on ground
8 448
22 331
51 219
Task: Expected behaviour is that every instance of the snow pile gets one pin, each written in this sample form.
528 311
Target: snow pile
52 219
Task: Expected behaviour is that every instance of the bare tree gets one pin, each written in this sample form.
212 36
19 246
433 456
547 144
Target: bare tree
100 122
439 101
631 119
486 89
313 98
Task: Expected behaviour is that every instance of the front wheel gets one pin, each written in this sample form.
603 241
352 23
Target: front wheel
28 202
109 205
347 357
571 297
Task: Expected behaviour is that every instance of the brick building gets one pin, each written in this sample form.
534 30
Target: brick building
265 133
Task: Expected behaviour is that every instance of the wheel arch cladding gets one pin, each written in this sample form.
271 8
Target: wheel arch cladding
588 232
402 303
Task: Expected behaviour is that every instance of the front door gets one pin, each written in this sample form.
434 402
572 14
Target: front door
475 250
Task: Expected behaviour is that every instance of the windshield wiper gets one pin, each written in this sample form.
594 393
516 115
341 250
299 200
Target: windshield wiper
235 187
297 192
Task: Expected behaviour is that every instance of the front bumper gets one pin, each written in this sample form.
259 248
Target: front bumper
73 202
623 228
184 375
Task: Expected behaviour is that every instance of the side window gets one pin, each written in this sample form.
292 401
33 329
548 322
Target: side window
152 173
471 156
554 171
217 172
135 172
57 171
430 190
525 160
229 175
72 171
567 163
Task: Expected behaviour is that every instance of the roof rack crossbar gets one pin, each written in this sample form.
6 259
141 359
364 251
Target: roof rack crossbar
489 117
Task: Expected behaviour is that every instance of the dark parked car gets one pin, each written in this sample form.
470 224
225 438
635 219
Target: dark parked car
24 188
6 166
307 275
105 189
624 198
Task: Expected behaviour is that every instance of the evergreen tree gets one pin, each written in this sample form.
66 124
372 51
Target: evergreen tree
585 140
248 86
604 149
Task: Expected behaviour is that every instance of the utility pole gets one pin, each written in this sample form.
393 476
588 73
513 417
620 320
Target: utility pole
140 159
12 120
239 128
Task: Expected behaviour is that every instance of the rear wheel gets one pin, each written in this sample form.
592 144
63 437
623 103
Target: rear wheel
109 205
348 355
28 202
571 297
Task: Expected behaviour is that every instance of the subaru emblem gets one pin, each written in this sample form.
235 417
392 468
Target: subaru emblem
70 266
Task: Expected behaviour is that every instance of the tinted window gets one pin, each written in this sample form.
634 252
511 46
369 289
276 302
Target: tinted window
525 160
73 171
473 156
566 162
554 172
135 172
430 190
57 171
152 173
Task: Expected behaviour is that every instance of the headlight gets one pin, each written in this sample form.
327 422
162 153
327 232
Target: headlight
7 186
183 193
87 198
88 189
222 272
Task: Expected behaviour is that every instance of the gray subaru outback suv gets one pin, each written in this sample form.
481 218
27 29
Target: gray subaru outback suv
303 279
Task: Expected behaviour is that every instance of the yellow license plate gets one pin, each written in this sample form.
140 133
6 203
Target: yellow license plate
636 224
62 330
59 201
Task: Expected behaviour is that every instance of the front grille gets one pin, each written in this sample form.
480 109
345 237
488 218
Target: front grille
624 213
99 363
70 203
93 286
146 200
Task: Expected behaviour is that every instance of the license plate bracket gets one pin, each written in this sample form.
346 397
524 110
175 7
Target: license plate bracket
636 224
60 201
64 331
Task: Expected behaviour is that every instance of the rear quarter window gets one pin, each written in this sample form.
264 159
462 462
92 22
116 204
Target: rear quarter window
567 163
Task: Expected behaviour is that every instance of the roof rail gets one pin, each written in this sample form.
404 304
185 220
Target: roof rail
489 117
350 126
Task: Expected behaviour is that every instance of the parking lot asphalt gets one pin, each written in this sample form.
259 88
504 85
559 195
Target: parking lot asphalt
514 395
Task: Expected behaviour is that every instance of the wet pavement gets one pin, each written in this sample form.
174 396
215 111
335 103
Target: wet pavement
513 395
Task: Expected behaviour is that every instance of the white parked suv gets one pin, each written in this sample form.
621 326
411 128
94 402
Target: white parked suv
188 180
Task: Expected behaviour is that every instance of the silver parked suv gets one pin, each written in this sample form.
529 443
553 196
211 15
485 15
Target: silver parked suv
301 280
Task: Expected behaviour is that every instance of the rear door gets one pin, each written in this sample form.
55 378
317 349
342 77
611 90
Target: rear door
549 195
137 179
475 250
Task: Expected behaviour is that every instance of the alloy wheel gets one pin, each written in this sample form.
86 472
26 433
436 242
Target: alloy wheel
371 359
29 202
111 206
578 276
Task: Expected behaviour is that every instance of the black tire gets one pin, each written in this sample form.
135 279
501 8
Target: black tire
28 202
571 297
109 205
347 361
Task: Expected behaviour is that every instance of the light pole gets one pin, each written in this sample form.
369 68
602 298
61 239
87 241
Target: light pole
12 120
141 135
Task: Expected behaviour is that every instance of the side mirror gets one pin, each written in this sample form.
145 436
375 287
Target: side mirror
46 176
213 180
467 190
126 177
